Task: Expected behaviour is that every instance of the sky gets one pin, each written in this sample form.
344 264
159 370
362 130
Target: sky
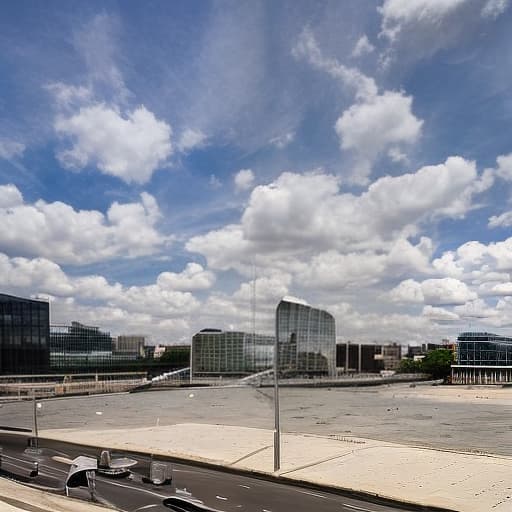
166 165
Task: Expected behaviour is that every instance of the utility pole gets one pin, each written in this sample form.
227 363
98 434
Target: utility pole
277 430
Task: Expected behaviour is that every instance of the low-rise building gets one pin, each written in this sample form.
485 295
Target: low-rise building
482 358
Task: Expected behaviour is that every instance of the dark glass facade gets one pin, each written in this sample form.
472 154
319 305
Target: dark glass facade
306 337
484 348
364 358
24 335
482 358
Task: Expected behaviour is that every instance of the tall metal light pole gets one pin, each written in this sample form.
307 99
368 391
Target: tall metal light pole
277 432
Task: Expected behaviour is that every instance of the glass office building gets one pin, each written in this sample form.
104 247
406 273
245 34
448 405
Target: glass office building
79 347
482 358
306 337
24 335
217 352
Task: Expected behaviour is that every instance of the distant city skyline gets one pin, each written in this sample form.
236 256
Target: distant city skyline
154 162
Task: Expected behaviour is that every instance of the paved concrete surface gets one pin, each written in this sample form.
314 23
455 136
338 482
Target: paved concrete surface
457 417
458 481
15 497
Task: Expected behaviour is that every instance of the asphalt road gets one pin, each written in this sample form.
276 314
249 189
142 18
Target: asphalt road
217 490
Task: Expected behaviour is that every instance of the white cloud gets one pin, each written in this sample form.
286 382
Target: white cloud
244 179
422 27
70 96
397 156
191 139
303 215
370 127
332 270
502 289
11 149
476 309
362 47
376 122
194 277
57 231
494 8
222 310
307 48
446 291
369 327
504 169
439 314
130 147
91 298
10 196
504 220
407 291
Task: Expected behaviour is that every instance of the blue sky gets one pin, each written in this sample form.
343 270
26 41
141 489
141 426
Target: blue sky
159 160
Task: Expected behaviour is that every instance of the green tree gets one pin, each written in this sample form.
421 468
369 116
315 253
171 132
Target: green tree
438 363
410 366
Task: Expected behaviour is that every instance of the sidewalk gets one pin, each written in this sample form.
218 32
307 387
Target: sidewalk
15 497
454 480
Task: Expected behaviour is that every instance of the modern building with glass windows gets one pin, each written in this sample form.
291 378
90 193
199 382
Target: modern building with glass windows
306 338
482 358
24 335
79 347
217 352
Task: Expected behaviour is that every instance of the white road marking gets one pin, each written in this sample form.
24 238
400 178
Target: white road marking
147 506
356 508
135 488
313 494
221 498
64 460
244 486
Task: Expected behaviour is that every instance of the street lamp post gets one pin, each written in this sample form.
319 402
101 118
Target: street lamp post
36 432
277 432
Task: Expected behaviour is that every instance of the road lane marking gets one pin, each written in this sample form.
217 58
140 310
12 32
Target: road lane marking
356 508
221 498
134 488
147 506
63 460
244 486
313 494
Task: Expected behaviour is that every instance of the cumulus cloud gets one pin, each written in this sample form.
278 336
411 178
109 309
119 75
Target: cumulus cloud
367 327
362 47
444 291
59 232
504 168
380 122
375 122
439 314
304 215
92 298
244 179
222 309
194 277
130 147
11 149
